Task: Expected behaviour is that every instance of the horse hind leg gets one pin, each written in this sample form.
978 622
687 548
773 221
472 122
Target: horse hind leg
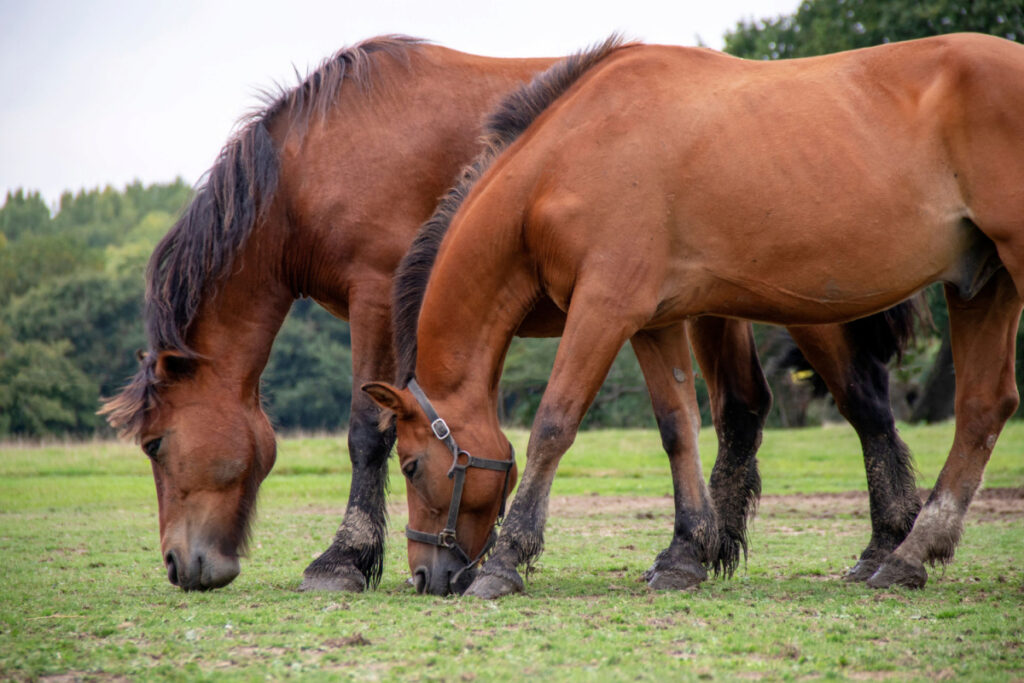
664 357
855 372
355 558
740 401
983 331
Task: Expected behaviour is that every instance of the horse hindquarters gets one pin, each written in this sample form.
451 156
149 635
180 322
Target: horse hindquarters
983 332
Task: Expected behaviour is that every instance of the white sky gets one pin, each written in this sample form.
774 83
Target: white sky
98 92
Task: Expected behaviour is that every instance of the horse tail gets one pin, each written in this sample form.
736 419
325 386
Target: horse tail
877 338
501 128
886 335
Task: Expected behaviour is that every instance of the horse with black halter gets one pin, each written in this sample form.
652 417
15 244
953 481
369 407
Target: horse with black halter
319 195
636 187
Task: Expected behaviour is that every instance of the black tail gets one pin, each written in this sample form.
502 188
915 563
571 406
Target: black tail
879 337
887 334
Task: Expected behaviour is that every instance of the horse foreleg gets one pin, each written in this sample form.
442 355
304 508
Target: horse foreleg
585 354
664 356
355 558
983 333
740 401
859 383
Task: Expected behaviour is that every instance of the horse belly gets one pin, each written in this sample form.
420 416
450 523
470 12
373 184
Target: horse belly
816 272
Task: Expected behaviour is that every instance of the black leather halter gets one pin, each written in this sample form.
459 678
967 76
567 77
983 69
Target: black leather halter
461 461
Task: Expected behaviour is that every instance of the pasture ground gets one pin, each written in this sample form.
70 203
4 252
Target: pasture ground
84 594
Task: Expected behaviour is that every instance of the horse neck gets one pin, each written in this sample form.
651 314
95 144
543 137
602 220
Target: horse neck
238 321
376 163
480 289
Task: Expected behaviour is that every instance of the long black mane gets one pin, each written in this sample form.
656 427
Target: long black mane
232 197
502 127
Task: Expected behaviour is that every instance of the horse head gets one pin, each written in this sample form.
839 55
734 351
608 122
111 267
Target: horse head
454 497
210 446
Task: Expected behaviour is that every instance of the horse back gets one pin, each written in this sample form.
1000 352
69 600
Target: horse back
707 172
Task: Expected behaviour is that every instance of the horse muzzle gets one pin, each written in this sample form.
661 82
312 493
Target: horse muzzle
446 575
200 570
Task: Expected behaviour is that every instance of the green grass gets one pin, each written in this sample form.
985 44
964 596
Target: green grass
84 592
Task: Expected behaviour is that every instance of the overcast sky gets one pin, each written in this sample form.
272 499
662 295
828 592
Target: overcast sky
98 92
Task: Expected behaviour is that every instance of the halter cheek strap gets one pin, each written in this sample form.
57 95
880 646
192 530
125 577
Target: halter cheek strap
461 461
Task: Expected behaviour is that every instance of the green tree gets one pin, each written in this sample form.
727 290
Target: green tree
23 214
308 380
99 317
823 26
41 390
71 290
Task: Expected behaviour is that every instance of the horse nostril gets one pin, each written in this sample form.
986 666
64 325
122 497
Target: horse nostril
421 579
171 560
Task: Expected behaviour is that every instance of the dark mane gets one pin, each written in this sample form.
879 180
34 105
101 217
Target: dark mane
231 198
516 112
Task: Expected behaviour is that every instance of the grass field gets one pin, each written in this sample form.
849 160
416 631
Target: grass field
84 593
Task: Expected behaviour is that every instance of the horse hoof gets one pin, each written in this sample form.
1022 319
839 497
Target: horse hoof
350 580
491 586
675 578
897 571
863 570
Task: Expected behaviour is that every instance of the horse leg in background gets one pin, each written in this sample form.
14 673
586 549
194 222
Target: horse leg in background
355 558
859 382
740 401
585 354
664 357
983 331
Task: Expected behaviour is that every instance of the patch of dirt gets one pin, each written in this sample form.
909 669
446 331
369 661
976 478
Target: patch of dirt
989 505
357 640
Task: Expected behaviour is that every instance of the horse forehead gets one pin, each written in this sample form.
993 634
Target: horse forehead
190 406
414 437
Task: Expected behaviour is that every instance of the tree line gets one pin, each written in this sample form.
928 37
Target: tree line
72 283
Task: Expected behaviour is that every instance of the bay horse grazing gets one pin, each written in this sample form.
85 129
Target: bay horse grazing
320 195
643 185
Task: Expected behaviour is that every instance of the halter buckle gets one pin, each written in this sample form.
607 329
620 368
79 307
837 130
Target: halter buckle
446 539
440 429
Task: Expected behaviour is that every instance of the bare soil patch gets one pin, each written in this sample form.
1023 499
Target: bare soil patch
989 505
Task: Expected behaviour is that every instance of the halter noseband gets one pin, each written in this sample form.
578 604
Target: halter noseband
446 539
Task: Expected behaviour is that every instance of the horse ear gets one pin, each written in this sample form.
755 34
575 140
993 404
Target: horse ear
389 398
173 365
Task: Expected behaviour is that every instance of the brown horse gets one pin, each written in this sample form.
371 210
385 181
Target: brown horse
319 195
650 184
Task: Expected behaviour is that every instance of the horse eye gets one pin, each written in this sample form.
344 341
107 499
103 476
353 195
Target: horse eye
152 448
409 468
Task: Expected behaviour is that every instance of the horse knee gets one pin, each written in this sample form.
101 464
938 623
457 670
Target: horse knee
1007 404
555 435
986 411
677 432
